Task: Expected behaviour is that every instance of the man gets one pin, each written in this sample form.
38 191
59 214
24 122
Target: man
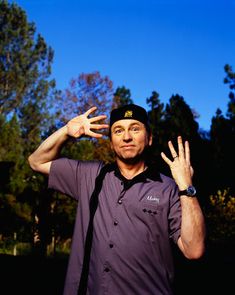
127 213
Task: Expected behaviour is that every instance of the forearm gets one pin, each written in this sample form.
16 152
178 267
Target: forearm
48 150
192 239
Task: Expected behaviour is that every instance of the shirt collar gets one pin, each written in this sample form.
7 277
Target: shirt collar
149 174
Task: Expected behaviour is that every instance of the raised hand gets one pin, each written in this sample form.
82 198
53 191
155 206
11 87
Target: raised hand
180 165
82 125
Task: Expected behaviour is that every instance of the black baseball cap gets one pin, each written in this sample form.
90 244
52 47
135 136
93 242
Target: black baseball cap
130 111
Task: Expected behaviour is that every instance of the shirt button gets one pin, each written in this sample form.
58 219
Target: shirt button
115 223
106 269
120 201
110 245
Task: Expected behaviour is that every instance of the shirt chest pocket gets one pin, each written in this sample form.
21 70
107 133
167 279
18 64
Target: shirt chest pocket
146 211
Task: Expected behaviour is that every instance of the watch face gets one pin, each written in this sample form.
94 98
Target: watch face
191 191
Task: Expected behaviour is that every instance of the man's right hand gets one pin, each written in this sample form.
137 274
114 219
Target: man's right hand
40 160
82 125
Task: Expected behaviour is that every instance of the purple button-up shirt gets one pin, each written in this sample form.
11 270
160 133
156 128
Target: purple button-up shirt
133 226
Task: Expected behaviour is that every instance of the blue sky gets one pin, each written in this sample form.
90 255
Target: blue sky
172 47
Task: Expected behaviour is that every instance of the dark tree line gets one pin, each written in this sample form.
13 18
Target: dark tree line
27 94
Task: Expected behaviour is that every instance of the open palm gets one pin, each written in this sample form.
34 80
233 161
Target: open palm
82 125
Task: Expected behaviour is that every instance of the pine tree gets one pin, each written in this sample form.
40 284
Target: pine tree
25 61
122 96
25 94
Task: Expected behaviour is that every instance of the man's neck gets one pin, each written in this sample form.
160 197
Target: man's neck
128 170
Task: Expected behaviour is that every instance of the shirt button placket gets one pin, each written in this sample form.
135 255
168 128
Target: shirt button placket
121 197
120 201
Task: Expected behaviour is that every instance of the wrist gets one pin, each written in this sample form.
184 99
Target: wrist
62 134
190 191
184 186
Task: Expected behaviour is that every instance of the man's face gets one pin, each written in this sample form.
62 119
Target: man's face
129 139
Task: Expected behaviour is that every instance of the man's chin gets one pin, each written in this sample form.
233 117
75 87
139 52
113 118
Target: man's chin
130 159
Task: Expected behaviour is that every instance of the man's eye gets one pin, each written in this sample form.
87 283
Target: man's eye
135 129
117 131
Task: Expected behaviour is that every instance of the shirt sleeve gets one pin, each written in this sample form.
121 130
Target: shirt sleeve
63 176
174 214
72 177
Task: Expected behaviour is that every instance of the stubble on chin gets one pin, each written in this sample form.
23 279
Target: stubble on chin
134 159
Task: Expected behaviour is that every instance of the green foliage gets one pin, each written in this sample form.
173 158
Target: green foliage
156 115
25 62
177 118
11 152
230 80
81 150
13 215
221 217
103 151
122 96
26 96
180 118
10 137
222 139
64 210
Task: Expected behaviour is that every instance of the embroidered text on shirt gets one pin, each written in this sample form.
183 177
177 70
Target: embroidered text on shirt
155 199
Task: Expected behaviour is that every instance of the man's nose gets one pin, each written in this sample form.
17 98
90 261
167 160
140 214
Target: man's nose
127 135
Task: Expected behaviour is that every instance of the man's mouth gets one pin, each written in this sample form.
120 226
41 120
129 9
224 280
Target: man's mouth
127 146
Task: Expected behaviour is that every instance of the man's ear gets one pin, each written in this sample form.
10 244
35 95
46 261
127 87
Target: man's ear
111 145
150 139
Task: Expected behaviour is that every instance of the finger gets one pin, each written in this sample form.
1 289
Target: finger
98 118
99 126
187 151
95 135
172 150
180 147
167 160
91 110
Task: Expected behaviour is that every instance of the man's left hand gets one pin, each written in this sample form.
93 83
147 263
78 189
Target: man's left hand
180 165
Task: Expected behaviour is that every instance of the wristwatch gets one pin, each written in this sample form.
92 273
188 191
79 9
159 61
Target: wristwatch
189 192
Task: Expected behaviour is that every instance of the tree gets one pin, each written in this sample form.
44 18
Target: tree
156 114
11 151
179 120
103 151
122 96
220 208
222 136
25 61
85 91
10 137
230 80
15 216
25 89
221 218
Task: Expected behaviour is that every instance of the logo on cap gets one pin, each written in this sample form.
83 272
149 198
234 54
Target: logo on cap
128 114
